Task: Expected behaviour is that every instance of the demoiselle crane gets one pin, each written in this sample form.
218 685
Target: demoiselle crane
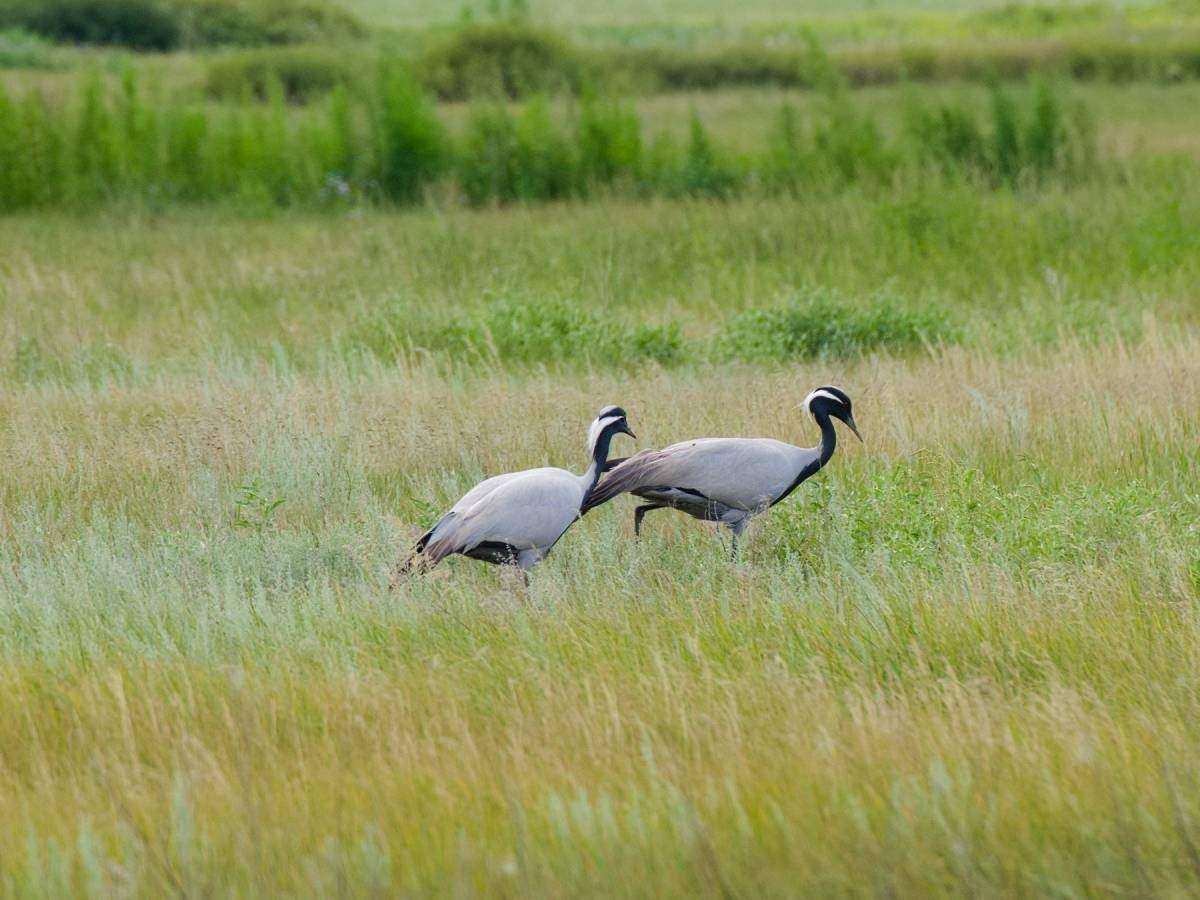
726 480
514 519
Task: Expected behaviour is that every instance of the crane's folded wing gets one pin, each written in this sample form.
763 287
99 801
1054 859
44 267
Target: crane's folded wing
531 510
742 473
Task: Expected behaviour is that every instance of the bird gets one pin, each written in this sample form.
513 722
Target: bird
726 480
516 518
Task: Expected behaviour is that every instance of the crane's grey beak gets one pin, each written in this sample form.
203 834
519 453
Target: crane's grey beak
624 429
849 420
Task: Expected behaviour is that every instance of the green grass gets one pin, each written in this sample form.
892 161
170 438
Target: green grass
681 13
1006 269
383 141
951 663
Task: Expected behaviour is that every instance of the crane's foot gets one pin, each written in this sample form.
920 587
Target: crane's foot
639 514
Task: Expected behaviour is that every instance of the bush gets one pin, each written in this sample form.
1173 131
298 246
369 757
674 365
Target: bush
20 49
385 141
251 23
849 147
712 67
301 73
1034 143
699 170
609 137
556 331
169 24
136 24
502 59
548 168
411 143
824 325
671 69
503 158
537 332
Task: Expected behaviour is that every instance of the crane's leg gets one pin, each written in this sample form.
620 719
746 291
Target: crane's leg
515 578
526 560
639 513
736 528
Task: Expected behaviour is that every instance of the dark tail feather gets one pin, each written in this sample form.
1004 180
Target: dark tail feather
590 501
613 463
598 496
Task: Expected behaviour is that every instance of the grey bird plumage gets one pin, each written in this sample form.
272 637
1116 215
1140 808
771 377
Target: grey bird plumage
726 480
514 519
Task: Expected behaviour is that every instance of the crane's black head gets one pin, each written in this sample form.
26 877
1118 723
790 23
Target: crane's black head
828 400
610 421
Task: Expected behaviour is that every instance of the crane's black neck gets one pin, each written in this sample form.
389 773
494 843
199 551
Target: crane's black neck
824 453
828 439
599 458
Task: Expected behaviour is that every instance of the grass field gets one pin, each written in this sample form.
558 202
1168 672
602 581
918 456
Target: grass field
959 661
683 13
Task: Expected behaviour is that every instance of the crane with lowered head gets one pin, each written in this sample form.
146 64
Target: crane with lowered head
516 518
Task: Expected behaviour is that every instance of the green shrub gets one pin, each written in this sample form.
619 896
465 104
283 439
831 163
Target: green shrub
674 69
503 158
547 166
557 331
609 136
795 65
502 59
250 23
487 164
698 171
169 24
1031 138
949 138
20 49
302 73
826 326
384 141
412 148
849 147
137 24
536 332
785 164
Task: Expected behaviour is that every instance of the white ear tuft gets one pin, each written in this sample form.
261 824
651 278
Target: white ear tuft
820 393
598 425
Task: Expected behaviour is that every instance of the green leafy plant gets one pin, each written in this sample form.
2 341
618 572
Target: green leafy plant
254 508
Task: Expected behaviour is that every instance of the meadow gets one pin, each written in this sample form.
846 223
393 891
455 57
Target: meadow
959 661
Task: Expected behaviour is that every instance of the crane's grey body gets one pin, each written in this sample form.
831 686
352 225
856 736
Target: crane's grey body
516 518
726 480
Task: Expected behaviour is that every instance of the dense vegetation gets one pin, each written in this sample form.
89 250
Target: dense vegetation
174 24
512 54
517 59
391 145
